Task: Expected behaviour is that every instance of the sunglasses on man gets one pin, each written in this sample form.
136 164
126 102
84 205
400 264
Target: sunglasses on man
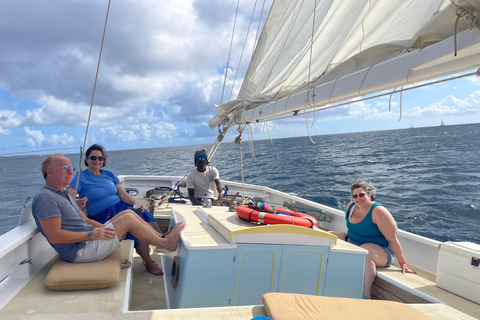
65 168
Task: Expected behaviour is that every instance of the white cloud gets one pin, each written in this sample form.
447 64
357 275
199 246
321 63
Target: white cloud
161 72
61 139
138 132
162 63
9 119
34 137
449 106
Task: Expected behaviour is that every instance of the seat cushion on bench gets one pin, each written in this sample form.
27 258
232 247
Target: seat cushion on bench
84 276
282 306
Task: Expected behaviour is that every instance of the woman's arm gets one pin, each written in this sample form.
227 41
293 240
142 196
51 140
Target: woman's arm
124 195
388 227
80 202
91 222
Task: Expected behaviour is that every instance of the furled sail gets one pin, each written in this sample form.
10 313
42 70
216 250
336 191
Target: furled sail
315 53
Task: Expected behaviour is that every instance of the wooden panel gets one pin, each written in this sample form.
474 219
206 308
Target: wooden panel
384 290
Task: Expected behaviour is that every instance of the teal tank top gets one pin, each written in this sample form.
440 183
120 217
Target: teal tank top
365 231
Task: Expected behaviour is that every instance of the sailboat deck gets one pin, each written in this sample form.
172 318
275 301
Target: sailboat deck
35 300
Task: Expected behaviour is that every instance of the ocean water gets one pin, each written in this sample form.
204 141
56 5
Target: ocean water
428 178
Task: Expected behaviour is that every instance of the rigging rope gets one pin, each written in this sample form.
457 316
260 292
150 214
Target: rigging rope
23 152
229 53
258 28
238 140
390 100
250 141
309 73
306 125
472 21
243 49
401 103
268 131
93 95
311 42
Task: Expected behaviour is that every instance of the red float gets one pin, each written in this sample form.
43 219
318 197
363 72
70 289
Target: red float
253 213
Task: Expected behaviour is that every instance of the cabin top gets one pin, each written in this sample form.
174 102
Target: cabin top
217 226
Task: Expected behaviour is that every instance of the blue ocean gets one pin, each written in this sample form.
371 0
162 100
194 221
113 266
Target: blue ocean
428 178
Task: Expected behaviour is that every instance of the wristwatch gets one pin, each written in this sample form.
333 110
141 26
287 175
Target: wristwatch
90 235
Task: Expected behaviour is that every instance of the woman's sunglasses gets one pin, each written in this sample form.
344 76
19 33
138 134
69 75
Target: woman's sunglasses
361 195
93 158
201 158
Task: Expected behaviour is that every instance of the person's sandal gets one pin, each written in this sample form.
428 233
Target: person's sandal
125 264
143 263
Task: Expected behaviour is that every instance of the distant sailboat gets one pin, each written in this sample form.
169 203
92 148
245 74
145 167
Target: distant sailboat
442 123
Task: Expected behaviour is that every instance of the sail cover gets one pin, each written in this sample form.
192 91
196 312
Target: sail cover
314 53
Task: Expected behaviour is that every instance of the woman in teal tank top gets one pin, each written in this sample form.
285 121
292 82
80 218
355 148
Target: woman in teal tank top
371 226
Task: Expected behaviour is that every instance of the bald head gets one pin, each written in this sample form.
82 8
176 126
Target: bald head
48 162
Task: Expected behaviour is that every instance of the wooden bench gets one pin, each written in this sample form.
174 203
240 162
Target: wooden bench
390 284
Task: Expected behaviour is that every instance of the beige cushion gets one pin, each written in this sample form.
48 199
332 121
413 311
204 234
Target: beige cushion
283 306
85 276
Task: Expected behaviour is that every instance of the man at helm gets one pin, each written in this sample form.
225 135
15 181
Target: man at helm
201 182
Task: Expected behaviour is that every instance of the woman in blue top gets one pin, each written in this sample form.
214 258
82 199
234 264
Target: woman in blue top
107 197
373 228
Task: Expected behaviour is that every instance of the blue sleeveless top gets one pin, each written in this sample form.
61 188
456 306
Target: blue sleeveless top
365 231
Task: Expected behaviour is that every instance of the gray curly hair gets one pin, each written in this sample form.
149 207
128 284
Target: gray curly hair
366 186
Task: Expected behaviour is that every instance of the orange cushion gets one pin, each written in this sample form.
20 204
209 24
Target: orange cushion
84 276
287 306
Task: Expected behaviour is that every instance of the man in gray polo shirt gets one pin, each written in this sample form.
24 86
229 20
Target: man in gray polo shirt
77 238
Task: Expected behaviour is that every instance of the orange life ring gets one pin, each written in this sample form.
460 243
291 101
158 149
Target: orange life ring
255 214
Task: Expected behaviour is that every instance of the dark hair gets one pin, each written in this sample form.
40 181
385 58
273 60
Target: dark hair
98 148
200 153
366 186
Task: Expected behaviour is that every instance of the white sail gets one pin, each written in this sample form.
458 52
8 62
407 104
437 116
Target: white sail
359 47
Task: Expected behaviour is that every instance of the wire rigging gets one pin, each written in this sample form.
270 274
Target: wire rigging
229 53
243 49
93 96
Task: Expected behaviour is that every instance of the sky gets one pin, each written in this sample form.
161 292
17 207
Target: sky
161 73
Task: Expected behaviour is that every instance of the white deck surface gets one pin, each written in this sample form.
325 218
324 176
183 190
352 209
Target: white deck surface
36 301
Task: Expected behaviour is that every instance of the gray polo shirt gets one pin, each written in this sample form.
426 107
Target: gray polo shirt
51 202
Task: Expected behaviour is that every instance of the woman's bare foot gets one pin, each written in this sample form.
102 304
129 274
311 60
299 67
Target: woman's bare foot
174 236
153 268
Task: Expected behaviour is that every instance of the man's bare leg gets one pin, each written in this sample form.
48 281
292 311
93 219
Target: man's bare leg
129 221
